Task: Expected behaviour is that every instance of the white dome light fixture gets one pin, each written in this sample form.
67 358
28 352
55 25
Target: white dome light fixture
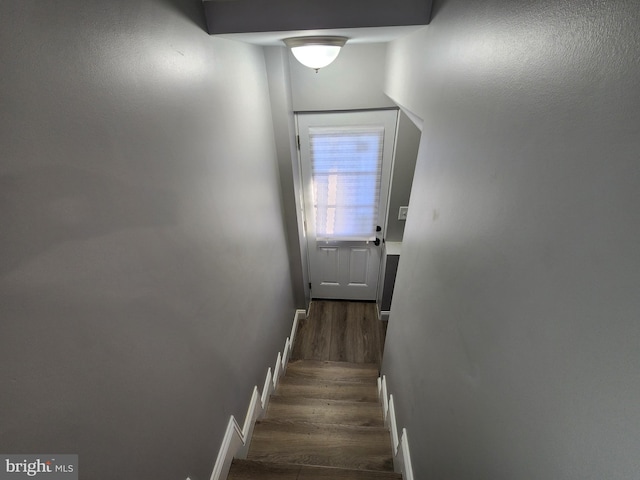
315 52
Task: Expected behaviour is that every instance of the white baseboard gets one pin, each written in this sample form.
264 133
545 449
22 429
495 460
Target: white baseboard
231 442
267 390
254 412
277 370
393 426
286 354
300 315
400 445
236 440
404 457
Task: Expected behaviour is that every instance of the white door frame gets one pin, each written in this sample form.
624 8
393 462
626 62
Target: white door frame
390 147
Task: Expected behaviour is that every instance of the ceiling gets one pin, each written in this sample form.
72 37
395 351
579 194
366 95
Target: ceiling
268 22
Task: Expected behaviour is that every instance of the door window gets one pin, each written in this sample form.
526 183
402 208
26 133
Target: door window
346 165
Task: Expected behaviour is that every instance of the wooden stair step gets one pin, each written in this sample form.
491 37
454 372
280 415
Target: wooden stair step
315 410
254 470
300 387
345 446
333 371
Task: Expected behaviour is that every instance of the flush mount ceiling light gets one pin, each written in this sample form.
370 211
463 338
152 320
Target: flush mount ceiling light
315 52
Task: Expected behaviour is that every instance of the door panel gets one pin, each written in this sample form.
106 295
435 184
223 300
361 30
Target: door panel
345 162
329 266
358 266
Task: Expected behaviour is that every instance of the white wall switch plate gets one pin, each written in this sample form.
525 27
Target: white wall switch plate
402 213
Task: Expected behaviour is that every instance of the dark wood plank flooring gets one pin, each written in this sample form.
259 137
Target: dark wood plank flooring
252 470
340 331
345 446
321 410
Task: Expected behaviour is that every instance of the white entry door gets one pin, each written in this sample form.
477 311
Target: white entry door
346 163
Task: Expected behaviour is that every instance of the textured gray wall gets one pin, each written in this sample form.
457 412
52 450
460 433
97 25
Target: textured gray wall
354 80
514 338
142 241
284 129
403 168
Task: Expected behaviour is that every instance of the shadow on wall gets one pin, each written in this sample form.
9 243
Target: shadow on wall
436 6
51 205
193 10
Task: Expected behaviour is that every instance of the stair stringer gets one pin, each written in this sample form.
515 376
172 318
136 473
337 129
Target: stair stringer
400 445
236 440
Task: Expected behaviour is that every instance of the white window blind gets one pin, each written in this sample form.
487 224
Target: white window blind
346 166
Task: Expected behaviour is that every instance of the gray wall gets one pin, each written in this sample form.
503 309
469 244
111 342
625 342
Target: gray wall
513 343
277 63
404 166
142 241
354 80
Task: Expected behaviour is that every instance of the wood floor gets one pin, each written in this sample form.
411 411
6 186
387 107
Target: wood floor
340 332
324 420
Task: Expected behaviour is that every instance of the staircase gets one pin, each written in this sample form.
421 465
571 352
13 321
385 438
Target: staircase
324 421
